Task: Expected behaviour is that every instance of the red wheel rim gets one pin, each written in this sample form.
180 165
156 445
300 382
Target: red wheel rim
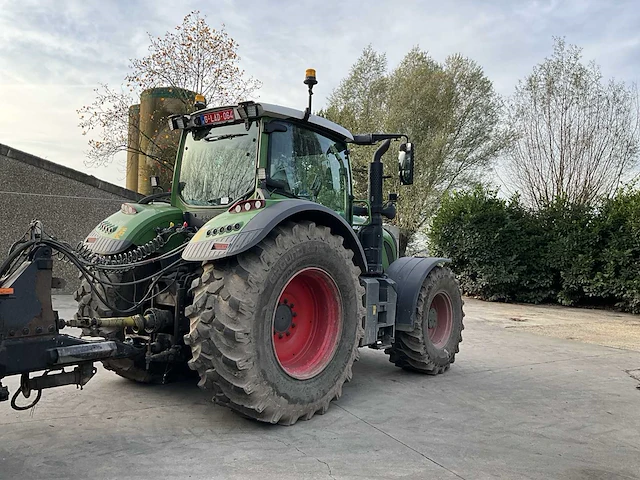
440 320
306 323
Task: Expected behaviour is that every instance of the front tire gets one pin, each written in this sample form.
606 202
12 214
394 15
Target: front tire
432 346
275 331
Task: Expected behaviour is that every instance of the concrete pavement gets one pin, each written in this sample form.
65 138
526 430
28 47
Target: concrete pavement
515 405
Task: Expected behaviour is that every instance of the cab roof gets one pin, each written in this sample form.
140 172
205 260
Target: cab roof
278 111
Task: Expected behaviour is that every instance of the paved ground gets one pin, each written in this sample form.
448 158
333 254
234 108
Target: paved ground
516 405
610 329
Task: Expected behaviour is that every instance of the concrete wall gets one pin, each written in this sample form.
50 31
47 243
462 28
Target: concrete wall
69 203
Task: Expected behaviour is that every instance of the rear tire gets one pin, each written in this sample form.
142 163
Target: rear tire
432 346
242 311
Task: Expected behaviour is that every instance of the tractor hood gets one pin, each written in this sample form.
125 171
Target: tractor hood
133 225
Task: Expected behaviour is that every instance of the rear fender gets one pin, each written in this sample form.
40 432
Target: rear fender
409 274
207 245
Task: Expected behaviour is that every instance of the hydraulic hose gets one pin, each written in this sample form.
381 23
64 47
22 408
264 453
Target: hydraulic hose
84 267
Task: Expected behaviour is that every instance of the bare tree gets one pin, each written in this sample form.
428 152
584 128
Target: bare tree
578 136
193 58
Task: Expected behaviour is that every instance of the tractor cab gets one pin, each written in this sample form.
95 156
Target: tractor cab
259 150
265 151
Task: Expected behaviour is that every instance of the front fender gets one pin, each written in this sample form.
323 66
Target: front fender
409 274
242 236
121 230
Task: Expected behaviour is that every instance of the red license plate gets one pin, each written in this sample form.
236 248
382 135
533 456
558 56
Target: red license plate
218 117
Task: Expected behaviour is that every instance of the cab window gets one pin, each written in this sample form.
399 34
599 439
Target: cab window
309 165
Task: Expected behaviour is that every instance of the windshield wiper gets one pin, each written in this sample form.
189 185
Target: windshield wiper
225 136
246 194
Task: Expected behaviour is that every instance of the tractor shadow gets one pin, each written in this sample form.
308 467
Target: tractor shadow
372 376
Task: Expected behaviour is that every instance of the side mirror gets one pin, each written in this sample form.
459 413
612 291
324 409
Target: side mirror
405 163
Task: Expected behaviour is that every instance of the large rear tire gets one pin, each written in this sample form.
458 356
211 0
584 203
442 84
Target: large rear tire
432 346
275 331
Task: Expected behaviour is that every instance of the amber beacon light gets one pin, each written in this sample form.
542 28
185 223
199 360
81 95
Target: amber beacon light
310 80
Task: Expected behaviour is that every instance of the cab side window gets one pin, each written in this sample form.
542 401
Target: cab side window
309 165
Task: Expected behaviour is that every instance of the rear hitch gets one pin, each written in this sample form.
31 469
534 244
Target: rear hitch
79 376
30 340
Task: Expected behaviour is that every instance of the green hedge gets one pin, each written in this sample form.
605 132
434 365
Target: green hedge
570 254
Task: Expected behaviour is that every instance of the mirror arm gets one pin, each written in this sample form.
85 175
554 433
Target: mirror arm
373 138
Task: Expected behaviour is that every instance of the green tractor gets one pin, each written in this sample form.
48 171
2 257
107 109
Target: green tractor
261 272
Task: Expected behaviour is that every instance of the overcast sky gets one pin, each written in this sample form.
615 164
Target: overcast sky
54 53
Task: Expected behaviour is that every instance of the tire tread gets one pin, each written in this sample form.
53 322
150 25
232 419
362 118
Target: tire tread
409 351
222 353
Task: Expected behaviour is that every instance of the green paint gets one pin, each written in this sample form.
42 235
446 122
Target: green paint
140 227
216 228
263 156
219 222
389 245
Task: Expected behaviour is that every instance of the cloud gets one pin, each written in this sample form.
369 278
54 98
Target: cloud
55 53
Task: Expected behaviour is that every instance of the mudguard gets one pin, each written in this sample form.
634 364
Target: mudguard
409 274
205 247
